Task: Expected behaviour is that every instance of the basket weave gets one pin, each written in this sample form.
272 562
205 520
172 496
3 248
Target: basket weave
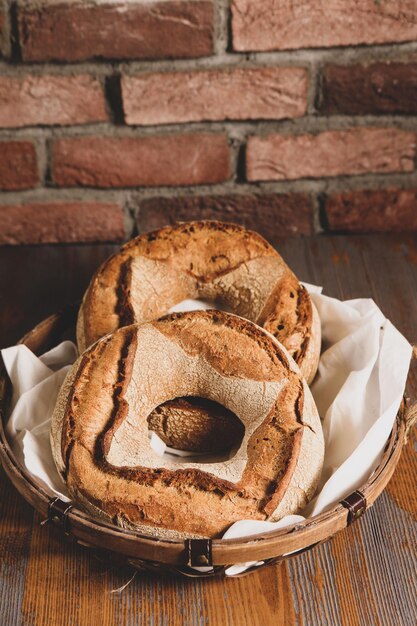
180 556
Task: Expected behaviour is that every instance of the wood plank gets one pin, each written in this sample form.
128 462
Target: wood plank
391 541
349 268
315 599
78 585
36 281
15 533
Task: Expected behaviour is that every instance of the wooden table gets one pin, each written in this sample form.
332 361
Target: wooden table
366 575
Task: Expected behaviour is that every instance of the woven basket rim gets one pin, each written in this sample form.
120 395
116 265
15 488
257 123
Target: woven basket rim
132 544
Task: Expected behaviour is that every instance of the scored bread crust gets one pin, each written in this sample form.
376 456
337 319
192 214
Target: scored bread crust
209 260
99 431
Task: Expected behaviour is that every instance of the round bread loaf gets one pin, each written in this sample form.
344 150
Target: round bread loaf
100 431
209 260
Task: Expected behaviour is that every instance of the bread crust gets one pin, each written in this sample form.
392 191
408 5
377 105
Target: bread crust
206 259
99 431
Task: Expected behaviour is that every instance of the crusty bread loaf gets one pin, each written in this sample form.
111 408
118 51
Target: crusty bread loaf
100 433
209 260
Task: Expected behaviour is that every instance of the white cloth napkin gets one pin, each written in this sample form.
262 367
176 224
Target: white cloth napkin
358 389
36 382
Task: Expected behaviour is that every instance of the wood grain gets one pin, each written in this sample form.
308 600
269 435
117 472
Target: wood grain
365 575
15 535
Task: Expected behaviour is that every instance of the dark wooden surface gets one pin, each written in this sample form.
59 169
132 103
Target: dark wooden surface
365 576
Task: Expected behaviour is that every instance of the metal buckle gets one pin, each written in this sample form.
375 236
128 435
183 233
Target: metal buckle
355 503
58 514
199 552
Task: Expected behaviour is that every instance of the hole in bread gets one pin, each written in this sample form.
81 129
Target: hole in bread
193 426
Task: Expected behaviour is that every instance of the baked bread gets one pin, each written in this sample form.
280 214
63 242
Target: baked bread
209 260
196 425
100 439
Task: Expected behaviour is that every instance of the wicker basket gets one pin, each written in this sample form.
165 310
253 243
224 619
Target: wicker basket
181 556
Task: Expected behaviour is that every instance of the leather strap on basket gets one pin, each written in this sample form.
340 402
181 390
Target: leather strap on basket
58 514
355 503
199 552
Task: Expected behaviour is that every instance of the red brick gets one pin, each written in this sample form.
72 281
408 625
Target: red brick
55 222
377 88
18 165
287 25
34 100
189 159
273 215
226 94
373 211
75 31
331 153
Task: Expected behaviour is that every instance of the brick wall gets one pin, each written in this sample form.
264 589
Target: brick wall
292 117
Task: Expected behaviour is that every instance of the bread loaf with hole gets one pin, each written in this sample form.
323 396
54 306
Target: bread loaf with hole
100 439
209 260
